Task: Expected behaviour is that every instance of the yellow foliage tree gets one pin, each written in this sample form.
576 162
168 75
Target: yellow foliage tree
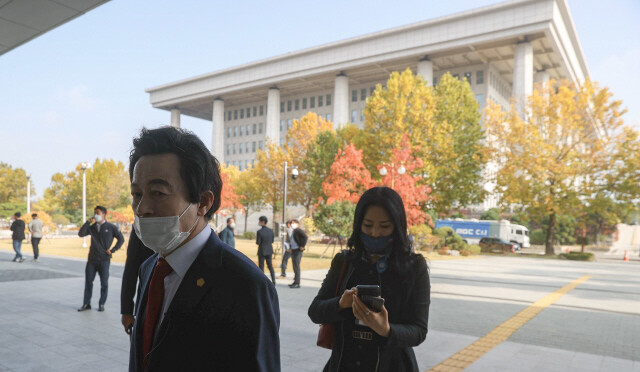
269 174
559 153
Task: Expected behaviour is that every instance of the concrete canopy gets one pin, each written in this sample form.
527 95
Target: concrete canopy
24 20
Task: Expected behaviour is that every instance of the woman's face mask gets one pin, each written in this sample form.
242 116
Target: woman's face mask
380 246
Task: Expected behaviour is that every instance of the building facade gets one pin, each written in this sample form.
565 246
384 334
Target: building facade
501 50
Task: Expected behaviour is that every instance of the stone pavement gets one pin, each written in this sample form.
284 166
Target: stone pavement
595 327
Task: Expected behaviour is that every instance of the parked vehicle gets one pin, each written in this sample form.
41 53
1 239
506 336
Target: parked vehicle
496 245
472 231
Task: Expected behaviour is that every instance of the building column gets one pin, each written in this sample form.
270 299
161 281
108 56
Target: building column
272 130
425 68
217 136
522 73
175 118
341 101
542 77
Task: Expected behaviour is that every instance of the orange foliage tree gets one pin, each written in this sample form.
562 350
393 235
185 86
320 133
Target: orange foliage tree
349 178
230 201
406 184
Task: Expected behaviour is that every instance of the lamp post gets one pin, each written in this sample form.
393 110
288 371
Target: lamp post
28 194
383 172
294 175
84 198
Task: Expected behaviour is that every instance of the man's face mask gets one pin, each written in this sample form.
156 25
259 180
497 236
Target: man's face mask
162 234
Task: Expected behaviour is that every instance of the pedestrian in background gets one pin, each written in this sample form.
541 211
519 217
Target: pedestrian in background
298 243
379 255
17 226
264 240
286 251
137 253
226 235
35 228
102 235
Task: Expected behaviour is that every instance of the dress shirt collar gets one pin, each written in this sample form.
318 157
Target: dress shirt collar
182 258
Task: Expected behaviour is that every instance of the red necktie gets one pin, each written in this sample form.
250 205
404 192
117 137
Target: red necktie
154 304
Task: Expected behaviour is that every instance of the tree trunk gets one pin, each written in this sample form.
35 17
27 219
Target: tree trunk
246 216
548 247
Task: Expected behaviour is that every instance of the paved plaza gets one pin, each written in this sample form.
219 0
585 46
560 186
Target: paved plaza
594 327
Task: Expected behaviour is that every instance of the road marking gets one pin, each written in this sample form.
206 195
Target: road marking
463 358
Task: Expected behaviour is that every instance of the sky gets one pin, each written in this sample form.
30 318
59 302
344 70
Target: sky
77 93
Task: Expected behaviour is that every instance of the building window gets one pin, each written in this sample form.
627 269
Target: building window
235 131
304 103
289 105
363 94
234 148
248 129
479 77
254 128
240 131
312 102
297 104
241 113
261 110
235 114
253 147
480 99
228 132
281 125
328 117
260 128
467 76
457 76
228 149
240 148
372 90
261 145
247 147
229 115
281 142
435 81
362 115
328 99
240 165
289 123
320 101
354 95
354 116
255 111
281 106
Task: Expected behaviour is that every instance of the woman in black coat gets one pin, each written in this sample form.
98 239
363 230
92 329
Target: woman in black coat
379 254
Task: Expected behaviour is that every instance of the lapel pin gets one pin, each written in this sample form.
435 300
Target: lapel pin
200 282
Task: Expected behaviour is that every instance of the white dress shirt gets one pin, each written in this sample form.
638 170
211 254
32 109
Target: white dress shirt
180 261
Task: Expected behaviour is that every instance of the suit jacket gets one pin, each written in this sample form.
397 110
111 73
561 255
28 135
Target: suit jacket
224 317
227 237
300 237
264 240
101 240
137 253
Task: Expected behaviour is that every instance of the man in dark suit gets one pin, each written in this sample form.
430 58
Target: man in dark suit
264 240
226 235
102 235
137 253
298 244
202 306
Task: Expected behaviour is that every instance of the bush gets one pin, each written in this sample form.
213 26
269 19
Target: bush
537 236
449 238
474 249
577 256
444 251
465 252
421 234
492 214
249 235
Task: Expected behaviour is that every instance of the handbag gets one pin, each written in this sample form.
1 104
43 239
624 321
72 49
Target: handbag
325 334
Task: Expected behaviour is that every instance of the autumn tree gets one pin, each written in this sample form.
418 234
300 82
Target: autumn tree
317 162
269 175
559 153
336 219
348 178
229 199
13 184
406 183
249 192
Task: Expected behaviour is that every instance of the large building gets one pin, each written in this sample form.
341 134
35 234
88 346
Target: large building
501 50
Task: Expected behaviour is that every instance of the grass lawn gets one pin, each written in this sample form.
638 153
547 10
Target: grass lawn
311 260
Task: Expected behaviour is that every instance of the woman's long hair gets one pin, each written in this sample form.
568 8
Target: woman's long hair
388 199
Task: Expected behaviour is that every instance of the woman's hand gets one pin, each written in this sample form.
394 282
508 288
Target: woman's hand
346 300
379 322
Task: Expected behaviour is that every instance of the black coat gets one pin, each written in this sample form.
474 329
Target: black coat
101 240
137 253
224 317
18 230
407 298
264 240
300 237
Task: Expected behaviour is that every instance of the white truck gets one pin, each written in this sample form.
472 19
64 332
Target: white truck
473 230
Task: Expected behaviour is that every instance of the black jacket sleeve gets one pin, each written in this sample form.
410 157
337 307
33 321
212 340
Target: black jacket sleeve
137 253
84 230
324 308
413 330
259 237
119 238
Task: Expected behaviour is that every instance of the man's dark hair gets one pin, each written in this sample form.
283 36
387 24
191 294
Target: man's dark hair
100 208
17 214
229 219
263 219
293 220
34 215
199 170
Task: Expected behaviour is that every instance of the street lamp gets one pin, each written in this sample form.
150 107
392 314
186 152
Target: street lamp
294 175
383 172
28 194
84 198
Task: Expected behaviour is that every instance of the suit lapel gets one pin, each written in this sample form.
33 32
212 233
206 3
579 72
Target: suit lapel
146 271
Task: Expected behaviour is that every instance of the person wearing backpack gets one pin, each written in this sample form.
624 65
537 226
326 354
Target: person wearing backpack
297 246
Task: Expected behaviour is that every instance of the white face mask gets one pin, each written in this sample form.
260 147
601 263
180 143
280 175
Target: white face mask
98 218
161 234
232 225
294 226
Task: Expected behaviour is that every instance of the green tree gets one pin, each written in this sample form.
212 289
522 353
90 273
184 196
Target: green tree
13 184
317 162
492 214
335 219
249 191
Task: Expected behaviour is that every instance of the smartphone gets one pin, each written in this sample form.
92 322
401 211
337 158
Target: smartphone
368 290
373 303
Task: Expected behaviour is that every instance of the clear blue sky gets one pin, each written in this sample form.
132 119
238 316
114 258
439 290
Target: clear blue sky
77 92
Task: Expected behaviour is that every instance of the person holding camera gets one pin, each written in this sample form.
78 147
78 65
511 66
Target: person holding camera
377 322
